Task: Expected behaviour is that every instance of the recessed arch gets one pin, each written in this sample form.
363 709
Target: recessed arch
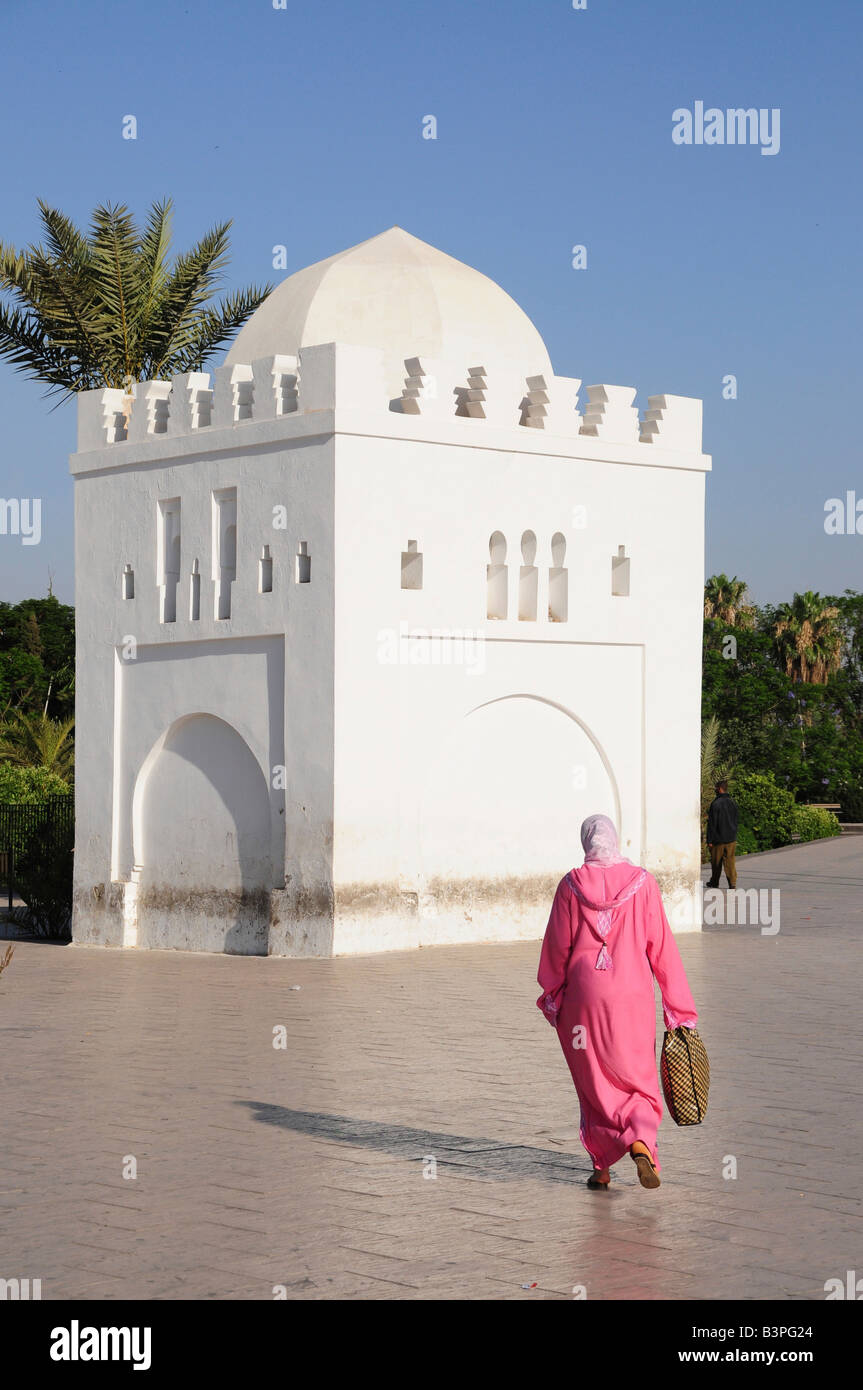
506 788
585 728
201 830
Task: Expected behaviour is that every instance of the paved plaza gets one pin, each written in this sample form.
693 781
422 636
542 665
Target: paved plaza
305 1166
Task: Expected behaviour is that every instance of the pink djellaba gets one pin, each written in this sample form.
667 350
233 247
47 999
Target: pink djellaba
607 939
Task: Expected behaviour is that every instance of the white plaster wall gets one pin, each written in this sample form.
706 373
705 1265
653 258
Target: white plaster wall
137 675
628 668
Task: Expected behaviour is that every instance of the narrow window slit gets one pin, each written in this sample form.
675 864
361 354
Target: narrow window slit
528 579
620 573
224 548
304 564
496 577
412 567
265 572
169 557
195 593
558 581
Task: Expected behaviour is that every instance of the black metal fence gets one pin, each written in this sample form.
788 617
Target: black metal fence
50 822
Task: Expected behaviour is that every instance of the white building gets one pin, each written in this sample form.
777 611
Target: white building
368 623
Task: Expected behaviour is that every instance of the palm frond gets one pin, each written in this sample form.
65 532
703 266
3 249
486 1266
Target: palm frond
24 343
211 330
15 274
66 242
153 253
100 308
115 255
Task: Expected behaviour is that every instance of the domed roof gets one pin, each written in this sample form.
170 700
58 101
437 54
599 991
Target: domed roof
399 294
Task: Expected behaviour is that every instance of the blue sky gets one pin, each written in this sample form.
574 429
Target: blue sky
304 125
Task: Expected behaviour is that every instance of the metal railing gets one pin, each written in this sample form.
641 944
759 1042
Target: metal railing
49 821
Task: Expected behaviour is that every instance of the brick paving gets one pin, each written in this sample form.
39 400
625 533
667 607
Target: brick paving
304 1166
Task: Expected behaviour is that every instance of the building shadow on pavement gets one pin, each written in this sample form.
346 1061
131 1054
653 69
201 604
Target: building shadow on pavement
483 1157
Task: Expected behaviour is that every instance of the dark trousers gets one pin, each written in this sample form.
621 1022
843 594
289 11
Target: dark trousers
722 857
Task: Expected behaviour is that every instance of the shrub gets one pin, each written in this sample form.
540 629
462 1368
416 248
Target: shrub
767 811
29 784
813 824
769 815
747 842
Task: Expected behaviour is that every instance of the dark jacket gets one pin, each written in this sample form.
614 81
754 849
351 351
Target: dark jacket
722 820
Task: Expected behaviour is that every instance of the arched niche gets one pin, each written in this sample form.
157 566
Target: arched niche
201 809
508 788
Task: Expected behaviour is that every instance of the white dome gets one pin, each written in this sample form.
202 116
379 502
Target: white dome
396 293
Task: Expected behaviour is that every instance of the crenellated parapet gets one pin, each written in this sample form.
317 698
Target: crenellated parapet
671 421
611 415
552 404
332 376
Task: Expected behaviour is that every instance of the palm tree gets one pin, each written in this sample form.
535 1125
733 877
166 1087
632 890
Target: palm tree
34 740
808 638
106 308
724 601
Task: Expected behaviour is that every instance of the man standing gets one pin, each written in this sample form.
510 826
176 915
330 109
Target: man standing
722 837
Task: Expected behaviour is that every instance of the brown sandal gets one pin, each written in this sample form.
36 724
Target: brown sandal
647 1174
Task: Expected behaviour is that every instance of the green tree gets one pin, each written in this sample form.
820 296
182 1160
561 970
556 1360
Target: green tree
56 622
808 638
809 736
23 682
31 640
724 602
107 307
35 740
33 683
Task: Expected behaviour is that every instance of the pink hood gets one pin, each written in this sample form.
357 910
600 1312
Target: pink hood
600 889
604 886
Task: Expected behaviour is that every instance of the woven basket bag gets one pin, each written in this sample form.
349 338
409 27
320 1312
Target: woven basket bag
685 1073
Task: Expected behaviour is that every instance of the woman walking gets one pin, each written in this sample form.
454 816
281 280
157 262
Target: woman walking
607 939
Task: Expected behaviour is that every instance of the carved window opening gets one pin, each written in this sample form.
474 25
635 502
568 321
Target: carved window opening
265 572
528 579
304 564
620 573
558 581
412 567
497 604
169 557
195 593
224 548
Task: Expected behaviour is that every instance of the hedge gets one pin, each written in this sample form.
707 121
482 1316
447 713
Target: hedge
769 815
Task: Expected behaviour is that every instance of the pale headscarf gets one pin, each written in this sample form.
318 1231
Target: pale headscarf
599 842
600 845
